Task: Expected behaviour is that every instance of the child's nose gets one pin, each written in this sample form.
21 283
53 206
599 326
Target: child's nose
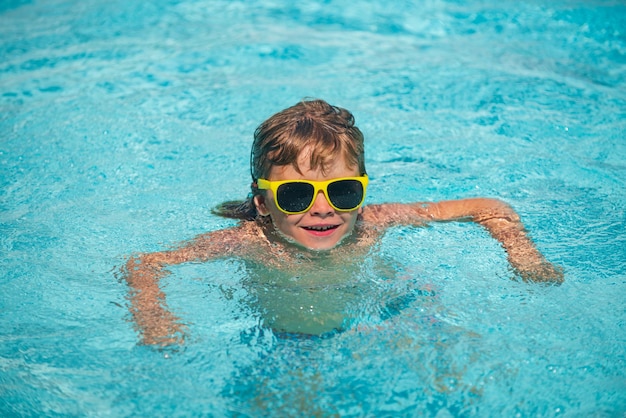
321 205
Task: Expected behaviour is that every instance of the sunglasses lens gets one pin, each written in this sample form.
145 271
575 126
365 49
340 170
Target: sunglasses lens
345 194
294 196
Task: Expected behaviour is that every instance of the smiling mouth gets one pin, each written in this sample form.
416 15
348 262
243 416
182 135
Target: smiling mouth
321 228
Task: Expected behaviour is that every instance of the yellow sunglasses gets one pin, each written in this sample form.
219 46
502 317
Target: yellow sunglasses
297 196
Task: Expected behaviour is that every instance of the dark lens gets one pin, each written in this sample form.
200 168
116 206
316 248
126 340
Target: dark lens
345 194
294 196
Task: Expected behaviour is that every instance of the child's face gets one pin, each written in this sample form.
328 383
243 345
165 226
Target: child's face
321 227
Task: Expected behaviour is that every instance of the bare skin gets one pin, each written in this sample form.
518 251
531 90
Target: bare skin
250 239
275 236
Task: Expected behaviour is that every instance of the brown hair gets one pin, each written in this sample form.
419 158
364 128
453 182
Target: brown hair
326 131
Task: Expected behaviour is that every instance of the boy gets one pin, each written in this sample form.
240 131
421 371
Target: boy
308 187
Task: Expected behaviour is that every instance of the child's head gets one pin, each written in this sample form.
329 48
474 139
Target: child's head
326 133
309 141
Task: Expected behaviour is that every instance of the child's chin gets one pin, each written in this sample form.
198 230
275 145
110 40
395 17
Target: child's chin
315 243
321 245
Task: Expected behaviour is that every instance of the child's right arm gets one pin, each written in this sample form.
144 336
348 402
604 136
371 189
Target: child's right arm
143 272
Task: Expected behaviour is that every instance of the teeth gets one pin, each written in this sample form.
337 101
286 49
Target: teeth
321 228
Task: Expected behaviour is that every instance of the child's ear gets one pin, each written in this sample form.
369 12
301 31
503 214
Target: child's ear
261 207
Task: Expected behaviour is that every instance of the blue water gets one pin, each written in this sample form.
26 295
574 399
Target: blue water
123 123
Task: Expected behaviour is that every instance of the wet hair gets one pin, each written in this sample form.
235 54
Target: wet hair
326 132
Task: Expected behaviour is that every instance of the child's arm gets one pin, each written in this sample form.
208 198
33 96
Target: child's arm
502 222
156 324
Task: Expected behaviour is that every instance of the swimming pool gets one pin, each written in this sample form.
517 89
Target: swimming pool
124 123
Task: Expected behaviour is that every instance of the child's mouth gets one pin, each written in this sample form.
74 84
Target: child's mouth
321 229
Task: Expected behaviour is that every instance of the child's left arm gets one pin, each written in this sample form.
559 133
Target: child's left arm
502 222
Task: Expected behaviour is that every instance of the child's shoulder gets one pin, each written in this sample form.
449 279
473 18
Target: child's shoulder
387 214
228 241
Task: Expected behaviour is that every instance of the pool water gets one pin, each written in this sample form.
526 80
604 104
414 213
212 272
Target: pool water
123 123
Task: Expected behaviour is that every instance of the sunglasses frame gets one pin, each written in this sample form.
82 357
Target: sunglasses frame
318 186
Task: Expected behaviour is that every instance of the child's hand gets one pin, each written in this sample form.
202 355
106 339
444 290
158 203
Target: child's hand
164 335
541 272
